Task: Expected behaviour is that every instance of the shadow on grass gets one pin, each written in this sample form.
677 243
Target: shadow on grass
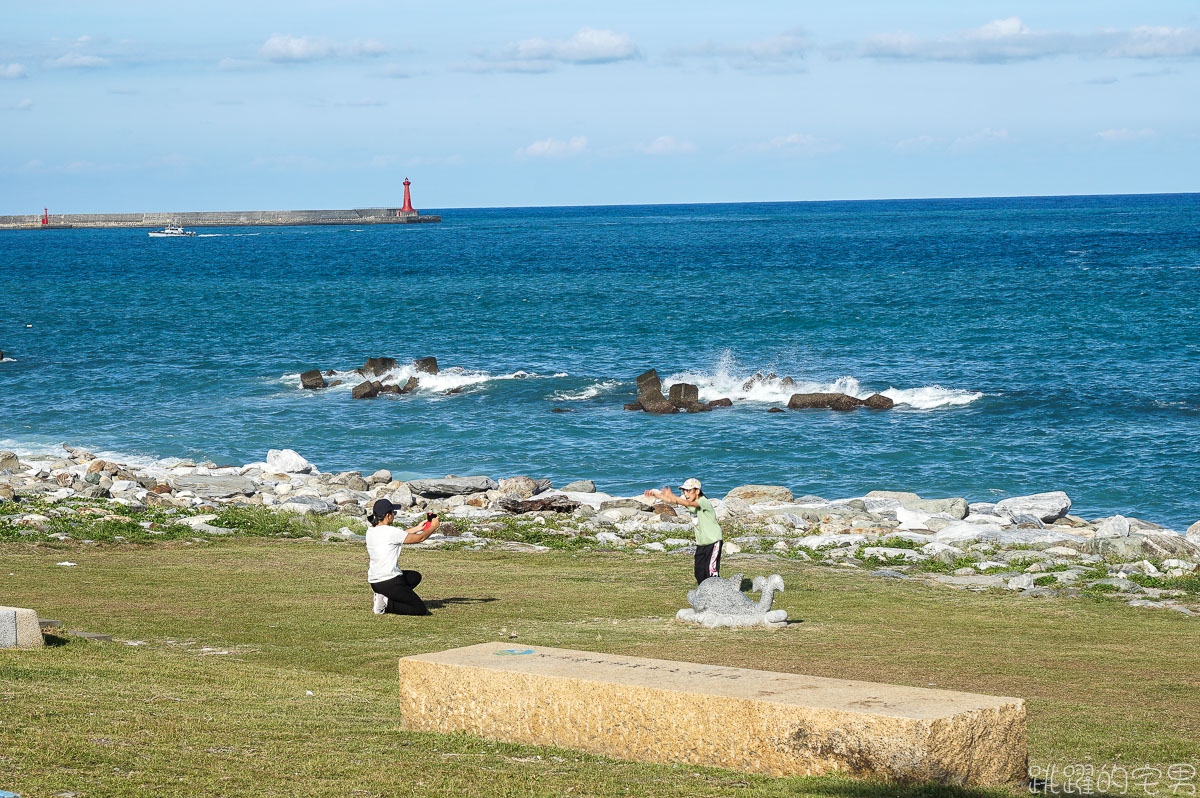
54 640
437 604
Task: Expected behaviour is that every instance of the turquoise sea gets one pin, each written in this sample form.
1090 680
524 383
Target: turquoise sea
1031 344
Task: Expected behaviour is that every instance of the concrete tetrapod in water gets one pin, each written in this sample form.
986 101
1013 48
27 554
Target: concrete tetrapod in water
721 602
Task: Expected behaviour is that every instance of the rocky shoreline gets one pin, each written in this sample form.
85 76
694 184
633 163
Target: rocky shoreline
1029 544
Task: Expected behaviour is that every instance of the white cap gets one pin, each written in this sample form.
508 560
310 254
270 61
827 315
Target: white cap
688 484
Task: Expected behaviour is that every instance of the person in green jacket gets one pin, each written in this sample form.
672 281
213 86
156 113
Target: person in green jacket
708 531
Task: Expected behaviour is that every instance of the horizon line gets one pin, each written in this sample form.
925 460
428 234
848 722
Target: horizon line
684 204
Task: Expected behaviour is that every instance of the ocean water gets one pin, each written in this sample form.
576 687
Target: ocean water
1031 344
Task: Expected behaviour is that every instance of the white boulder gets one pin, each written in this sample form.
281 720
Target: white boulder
1115 527
1043 506
286 461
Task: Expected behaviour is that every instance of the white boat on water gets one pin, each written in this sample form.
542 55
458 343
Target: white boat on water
172 230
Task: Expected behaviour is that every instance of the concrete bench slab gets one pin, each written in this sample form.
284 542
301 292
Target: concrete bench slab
19 628
677 712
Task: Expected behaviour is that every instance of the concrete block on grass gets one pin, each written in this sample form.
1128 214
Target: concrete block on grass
19 628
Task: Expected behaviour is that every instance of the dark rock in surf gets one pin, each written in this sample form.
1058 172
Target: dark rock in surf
410 386
634 406
426 365
365 390
755 380
721 403
649 379
832 401
312 380
652 401
684 395
878 401
378 366
775 410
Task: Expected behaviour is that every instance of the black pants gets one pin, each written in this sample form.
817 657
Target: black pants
708 561
399 591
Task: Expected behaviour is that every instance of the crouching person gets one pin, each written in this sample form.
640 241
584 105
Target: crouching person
394 587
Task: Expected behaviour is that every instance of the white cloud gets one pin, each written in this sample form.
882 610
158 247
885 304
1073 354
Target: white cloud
977 139
917 143
1000 29
772 52
25 105
12 71
366 49
586 46
79 61
799 144
284 48
555 148
669 145
1125 134
1010 39
1152 42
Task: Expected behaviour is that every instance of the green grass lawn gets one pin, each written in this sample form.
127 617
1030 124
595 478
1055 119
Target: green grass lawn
237 633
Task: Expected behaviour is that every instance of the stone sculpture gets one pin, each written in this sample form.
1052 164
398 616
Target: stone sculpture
721 602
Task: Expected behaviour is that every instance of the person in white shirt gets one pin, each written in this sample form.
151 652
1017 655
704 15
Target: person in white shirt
394 587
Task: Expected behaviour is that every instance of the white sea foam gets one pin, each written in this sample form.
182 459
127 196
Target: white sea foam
728 381
589 392
41 447
8 360
448 379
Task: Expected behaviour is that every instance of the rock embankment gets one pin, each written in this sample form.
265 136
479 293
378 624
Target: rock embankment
1032 544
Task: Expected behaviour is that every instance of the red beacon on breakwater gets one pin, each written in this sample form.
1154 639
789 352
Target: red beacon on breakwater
408 209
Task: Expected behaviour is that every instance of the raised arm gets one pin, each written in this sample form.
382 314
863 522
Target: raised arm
666 495
420 532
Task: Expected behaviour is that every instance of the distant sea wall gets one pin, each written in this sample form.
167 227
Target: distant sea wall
217 218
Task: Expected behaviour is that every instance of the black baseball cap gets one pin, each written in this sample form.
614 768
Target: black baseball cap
382 507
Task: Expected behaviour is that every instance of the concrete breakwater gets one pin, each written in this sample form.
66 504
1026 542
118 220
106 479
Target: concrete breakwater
354 216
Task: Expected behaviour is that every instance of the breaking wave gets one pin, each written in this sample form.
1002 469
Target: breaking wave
727 382
590 392
453 378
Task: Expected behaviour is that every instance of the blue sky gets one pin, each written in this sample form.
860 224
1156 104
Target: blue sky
131 106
